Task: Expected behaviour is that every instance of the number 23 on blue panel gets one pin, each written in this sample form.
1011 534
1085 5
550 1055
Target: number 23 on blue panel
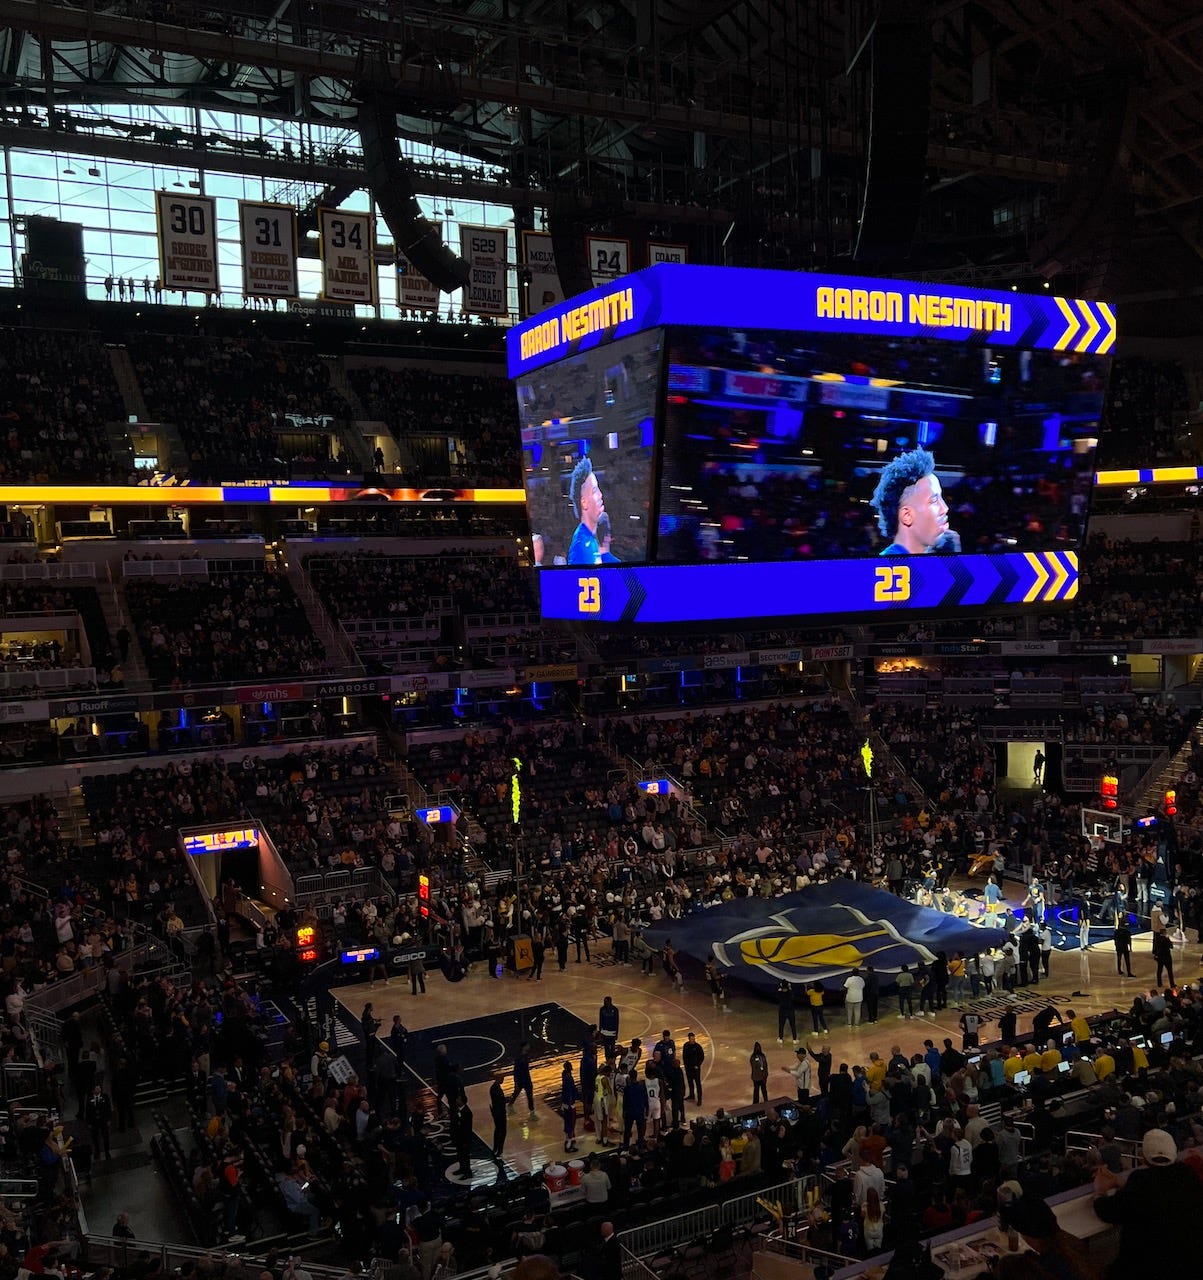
589 595
893 584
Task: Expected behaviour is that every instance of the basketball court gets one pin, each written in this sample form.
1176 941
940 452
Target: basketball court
483 1019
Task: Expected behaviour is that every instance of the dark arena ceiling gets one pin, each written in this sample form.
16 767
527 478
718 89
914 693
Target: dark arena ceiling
1063 138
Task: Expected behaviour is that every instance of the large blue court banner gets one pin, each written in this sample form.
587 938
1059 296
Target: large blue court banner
819 934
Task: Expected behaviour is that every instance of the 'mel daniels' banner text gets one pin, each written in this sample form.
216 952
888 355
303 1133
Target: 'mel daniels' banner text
348 271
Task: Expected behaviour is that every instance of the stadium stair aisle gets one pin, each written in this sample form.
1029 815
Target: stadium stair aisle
127 383
339 650
1156 783
74 820
117 615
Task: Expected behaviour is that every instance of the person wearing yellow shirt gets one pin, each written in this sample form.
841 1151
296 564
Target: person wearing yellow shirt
1140 1061
1031 1059
1050 1059
1081 1028
1104 1065
1013 1066
876 1070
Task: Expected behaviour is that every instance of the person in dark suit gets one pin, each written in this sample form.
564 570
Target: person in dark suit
497 1109
461 1136
610 1254
522 1078
1123 945
99 1113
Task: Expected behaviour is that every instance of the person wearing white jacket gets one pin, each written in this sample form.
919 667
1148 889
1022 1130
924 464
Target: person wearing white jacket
801 1073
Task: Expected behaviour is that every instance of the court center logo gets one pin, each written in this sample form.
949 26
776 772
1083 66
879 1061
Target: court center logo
809 945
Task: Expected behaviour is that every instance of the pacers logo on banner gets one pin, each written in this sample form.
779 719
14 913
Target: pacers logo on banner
807 949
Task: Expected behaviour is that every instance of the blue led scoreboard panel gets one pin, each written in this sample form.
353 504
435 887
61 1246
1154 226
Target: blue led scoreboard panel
704 443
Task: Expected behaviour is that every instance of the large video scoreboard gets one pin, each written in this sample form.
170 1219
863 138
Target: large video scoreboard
705 443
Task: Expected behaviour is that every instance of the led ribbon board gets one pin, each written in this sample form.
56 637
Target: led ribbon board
738 298
293 491
715 592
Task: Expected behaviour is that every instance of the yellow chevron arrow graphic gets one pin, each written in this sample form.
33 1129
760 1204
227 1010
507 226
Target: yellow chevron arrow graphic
1073 324
1060 574
1041 576
1092 327
1071 559
1109 320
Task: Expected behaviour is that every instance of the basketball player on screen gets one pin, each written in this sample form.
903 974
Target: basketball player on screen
911 510
589 505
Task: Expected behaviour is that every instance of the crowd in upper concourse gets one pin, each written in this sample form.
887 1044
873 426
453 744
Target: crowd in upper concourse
59 393
365 584
1147 405
423 407
245 407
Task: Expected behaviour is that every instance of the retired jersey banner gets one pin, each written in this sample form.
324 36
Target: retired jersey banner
187 241
608 259
486 251
820 934
543 283
414 291
269 249
666 253
348 270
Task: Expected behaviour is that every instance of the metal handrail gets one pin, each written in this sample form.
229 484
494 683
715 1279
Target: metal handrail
113 1251
651 1238
803 1252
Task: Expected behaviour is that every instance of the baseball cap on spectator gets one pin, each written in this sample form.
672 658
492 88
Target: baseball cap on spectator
1158 1147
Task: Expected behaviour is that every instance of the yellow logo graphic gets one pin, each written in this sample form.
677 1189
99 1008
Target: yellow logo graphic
790 948
805 951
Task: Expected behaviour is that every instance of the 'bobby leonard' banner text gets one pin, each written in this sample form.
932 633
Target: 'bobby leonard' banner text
486 251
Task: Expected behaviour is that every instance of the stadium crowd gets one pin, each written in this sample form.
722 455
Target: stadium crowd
370 585
368 1148
234 399
1113 600
59 392
431 412
1147 403
230 626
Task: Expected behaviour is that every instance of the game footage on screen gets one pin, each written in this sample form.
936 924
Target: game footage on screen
588 438
782 446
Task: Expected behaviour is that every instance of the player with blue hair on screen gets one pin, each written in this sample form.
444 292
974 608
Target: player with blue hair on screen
589 505
910 506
